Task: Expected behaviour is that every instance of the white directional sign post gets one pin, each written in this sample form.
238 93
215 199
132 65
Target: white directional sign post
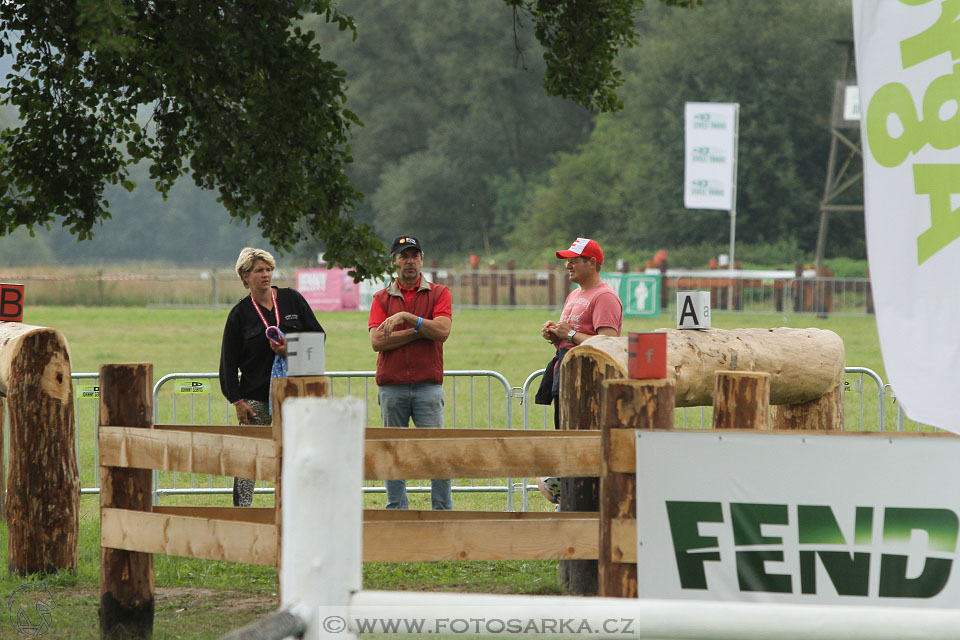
710 159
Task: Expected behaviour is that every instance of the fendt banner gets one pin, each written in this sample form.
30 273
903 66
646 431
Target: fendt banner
857 519
910 124
710 165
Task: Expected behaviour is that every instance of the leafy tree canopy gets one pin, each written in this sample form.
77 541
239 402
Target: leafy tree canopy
232 93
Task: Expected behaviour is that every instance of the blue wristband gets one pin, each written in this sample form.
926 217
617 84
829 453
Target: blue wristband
419 322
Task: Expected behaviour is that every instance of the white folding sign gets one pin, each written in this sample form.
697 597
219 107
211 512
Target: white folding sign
910 123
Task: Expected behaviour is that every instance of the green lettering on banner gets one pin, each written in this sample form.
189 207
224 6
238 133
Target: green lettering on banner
940 182
849 572
191 386
746 520
942 36
899 523
684 519
893 99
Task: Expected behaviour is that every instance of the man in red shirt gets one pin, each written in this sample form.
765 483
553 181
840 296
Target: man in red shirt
409 322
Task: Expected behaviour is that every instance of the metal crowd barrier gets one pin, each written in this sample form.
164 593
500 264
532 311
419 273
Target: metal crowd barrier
488 405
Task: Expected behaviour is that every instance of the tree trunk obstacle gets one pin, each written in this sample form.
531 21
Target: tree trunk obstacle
804 364
43 493
740 372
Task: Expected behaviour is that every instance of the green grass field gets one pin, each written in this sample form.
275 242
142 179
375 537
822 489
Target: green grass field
202 599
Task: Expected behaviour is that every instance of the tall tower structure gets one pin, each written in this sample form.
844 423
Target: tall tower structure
845 163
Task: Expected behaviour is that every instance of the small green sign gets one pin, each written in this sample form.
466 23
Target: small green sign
639 293
191 386
88 391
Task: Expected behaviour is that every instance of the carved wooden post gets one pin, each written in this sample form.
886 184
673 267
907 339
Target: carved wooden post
280 390
3 478
126 577
43 499
741 400
627 404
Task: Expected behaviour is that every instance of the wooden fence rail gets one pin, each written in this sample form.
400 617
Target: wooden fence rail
132 529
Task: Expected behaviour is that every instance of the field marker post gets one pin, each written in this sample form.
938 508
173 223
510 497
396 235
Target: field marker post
126 577
627 404
320 567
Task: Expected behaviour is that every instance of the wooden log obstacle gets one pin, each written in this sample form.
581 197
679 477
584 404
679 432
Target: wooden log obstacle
43 493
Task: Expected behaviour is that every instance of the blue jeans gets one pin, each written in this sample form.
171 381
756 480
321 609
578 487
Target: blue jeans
424 403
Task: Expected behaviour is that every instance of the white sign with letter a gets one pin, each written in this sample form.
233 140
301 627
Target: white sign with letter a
693 309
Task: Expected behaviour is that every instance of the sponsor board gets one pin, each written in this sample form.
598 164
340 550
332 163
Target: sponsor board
858 519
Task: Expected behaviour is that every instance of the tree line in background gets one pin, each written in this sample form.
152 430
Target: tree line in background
461 145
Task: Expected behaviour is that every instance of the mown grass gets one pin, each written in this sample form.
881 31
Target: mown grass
202 599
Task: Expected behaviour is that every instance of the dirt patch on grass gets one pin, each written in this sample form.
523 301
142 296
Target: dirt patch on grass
167 598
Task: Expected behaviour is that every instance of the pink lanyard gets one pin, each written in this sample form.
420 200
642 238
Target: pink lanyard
276 314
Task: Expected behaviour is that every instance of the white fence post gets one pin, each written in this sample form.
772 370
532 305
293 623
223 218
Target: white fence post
322 512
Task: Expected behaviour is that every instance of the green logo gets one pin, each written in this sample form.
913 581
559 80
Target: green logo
892 108
820 538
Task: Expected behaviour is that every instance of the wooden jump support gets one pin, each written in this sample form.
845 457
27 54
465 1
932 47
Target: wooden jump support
803 369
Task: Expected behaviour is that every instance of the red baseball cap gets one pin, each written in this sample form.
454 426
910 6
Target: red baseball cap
584 248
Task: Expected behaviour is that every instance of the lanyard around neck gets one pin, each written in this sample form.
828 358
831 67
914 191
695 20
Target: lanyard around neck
276 309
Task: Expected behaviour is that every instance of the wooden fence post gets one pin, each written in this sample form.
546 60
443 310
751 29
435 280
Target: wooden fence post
281 389
627 404
475 286
741 400
581 408
43 497
126 577
494 281
664 288
511 284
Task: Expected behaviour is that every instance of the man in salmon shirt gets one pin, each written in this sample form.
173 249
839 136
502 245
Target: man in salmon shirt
409 322
593 308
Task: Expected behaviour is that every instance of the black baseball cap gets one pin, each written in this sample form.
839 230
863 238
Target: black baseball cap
405 242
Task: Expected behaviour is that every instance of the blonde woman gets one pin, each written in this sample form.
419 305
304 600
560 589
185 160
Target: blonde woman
247 349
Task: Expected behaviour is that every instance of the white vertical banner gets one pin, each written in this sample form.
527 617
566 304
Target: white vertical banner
710 152
910 124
